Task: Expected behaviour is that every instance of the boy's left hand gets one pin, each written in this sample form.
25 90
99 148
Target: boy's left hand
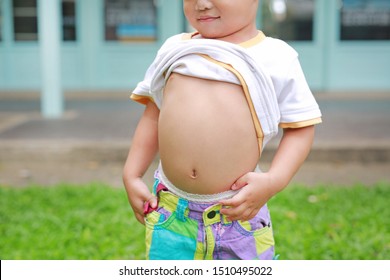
256 190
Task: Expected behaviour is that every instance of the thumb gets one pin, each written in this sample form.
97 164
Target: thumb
153 202
150 205
240 182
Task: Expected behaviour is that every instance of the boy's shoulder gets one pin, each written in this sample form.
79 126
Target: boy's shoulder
175 39
278 46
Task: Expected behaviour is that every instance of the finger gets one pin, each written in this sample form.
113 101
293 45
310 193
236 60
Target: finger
237 200
152 201
245 215
240 182
234 213
231 202
248 215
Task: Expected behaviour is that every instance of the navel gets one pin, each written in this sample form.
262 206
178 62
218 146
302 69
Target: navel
194 174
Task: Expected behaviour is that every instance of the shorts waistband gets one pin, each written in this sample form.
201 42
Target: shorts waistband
209 213
199 198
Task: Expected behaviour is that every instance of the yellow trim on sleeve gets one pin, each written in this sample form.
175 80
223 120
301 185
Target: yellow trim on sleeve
301 123
141 98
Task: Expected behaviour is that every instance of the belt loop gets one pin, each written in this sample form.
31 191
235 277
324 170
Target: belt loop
181 209
158 186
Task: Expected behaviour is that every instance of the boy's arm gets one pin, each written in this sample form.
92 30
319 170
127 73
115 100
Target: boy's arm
258 188
144 148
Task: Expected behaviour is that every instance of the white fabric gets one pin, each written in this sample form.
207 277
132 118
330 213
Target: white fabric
258 82
202 198
295 99
271 70
205 198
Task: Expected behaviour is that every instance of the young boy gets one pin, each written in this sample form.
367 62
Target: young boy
213 100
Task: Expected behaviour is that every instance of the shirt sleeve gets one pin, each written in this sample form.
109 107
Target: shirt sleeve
141 93
297 105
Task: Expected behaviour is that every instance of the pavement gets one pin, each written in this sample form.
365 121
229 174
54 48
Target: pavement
89 143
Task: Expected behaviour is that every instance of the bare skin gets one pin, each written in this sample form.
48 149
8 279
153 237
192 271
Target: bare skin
207 139
205 133
256 188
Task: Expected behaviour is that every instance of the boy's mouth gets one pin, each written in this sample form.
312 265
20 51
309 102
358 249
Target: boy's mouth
207 18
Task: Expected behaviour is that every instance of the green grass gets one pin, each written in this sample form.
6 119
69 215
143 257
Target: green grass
96 222
333 222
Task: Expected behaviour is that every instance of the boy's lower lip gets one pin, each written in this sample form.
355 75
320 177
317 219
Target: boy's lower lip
208 19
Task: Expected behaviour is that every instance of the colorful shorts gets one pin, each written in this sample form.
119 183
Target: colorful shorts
180 229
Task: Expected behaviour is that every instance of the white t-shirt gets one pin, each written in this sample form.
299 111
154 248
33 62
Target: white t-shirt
295 101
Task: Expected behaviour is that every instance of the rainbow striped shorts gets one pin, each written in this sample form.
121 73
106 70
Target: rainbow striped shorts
181 229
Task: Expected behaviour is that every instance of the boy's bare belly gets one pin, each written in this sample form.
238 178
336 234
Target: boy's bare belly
207 139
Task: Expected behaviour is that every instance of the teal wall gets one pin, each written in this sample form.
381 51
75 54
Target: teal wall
91 63
355 64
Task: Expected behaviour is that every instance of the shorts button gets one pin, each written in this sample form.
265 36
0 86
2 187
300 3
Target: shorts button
211 214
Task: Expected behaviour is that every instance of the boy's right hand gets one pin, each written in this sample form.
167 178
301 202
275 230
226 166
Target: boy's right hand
138 194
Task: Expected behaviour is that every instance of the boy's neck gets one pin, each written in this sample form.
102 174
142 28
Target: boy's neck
257 37
240 38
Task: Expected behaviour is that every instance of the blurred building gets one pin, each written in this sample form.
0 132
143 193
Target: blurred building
108 44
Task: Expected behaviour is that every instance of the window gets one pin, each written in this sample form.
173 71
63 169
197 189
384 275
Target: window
69 20
290 20
130 20
25 20
365 20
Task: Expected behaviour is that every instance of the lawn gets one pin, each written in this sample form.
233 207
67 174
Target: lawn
95 222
